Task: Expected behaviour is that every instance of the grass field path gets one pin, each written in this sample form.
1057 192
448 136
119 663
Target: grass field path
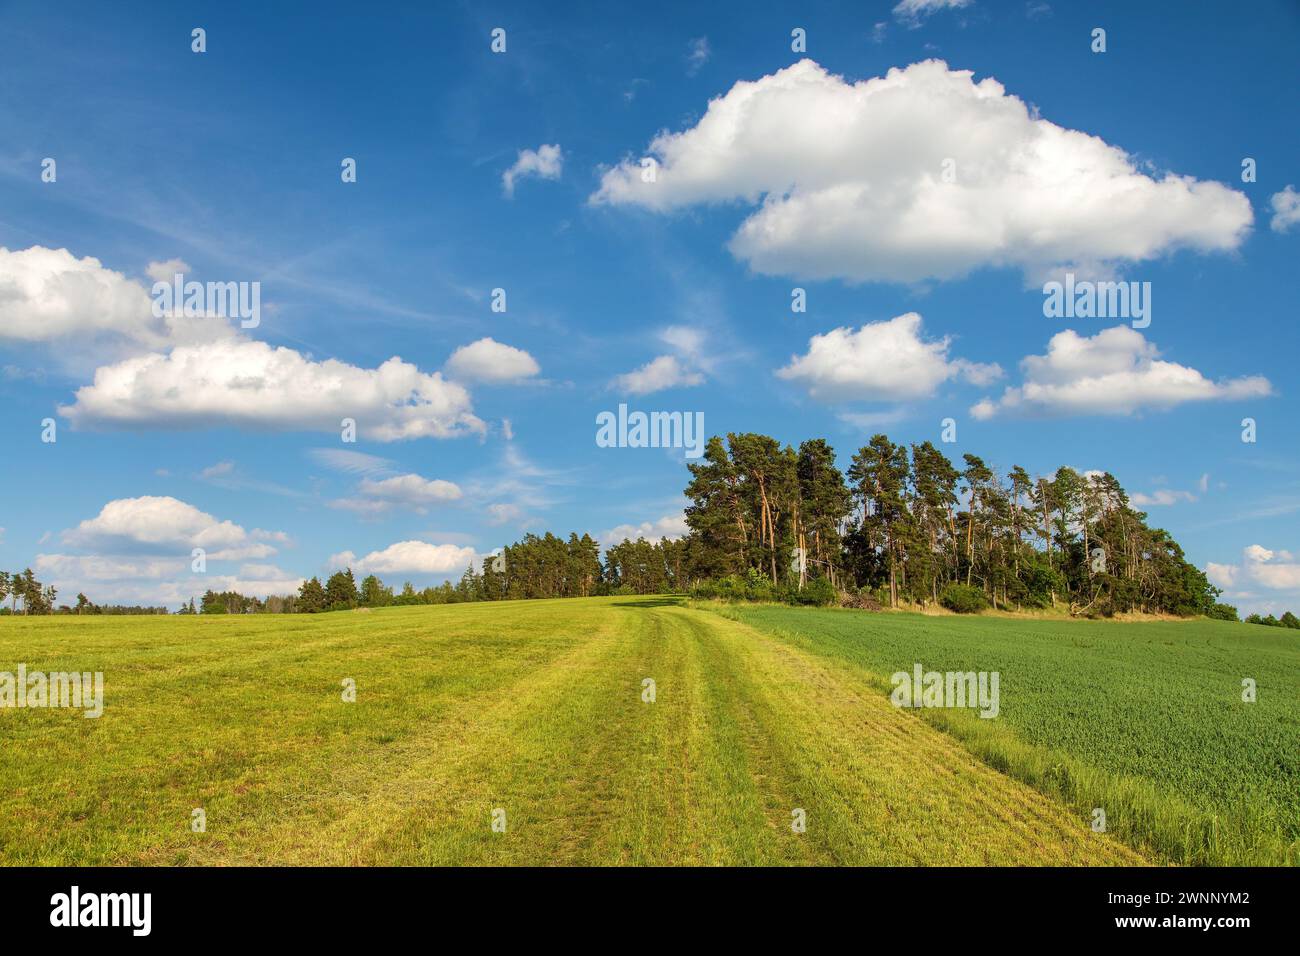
535 708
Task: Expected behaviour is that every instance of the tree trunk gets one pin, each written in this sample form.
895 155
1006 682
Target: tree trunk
970 537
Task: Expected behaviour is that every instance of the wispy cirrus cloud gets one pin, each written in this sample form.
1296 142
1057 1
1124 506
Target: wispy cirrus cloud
912 13
544 162
698 53
410 492
685 367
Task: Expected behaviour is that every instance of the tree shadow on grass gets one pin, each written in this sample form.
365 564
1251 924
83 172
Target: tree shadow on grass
655 602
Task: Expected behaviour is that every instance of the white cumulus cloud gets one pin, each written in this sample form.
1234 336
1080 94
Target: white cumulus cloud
847 181
880 361
669 526
666 371
167 270
250 384
119 581
1274 570
1286 209
1161 497
411 489
377 496
49 295
487 360
138 551
415 557
683 369
1115 372
163 523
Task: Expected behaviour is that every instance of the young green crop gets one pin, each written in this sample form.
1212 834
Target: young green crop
1145 720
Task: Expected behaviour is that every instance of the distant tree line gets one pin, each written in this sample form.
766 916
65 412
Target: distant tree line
110 609
1286 620
536 567
904 526
37 598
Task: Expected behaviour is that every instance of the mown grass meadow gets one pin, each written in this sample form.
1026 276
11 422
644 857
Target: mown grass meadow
538 709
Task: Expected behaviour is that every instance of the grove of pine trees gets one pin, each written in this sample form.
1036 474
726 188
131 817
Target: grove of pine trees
903 526
909 524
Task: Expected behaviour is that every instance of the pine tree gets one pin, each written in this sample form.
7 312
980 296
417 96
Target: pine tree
311 597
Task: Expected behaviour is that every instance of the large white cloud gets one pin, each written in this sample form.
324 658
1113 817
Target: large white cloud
245 383
488 360
137 551
881 361
416 557
162 523
848 180
50 295
1115 372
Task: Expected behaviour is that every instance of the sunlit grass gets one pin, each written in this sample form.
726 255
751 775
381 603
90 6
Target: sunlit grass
534 708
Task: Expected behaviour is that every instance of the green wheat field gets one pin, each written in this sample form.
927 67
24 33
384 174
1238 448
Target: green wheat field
538 710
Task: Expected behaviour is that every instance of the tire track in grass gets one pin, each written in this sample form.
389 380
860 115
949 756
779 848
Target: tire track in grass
717 815
882 787
653 785
758 777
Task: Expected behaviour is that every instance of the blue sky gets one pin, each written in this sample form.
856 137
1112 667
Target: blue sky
776 169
